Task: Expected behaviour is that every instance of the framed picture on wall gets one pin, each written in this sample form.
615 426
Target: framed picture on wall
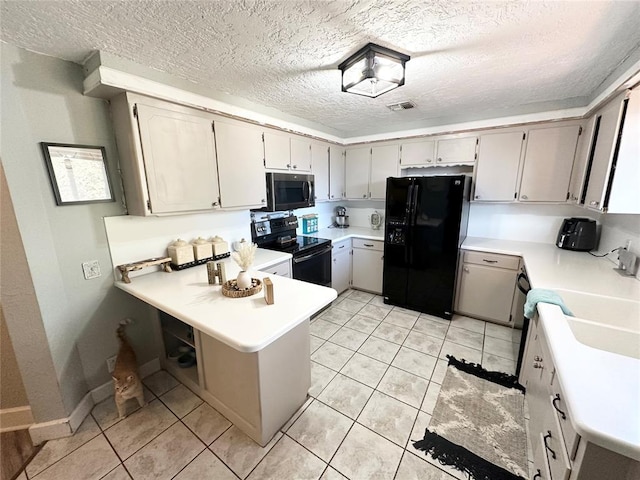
78 173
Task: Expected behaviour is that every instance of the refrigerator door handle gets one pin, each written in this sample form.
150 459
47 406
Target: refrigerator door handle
409 204
414 206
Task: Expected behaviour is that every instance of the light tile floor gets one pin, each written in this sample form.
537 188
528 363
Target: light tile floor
376 372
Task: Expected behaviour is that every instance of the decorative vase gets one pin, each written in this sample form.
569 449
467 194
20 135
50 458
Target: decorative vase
243 280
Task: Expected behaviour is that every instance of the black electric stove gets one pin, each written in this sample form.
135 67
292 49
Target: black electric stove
311 255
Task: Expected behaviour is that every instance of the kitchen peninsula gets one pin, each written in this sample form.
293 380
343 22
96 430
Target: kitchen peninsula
252 358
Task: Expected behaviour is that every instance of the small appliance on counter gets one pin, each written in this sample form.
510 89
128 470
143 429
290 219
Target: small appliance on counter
577 234
376 220
342 219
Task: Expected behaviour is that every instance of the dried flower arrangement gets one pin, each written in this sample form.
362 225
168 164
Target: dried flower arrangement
245 255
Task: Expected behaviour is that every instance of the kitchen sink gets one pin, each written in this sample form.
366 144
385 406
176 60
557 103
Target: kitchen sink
622 341
608 311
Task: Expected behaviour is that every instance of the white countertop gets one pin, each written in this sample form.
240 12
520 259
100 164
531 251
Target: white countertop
338 234
602 389
247 324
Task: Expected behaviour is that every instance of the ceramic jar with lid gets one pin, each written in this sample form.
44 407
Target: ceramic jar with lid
181 252
220 247
202 249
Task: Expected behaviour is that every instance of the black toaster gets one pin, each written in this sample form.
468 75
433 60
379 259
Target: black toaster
577 234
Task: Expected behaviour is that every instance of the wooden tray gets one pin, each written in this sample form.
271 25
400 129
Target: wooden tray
230 289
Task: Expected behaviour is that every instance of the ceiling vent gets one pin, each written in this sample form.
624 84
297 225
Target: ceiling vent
397 107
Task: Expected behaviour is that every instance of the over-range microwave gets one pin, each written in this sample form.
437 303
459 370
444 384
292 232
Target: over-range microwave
288 191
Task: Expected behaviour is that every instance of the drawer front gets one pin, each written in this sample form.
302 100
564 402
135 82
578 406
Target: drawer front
340 247
492 260
570 435
282 269
368 244
540 469
559 464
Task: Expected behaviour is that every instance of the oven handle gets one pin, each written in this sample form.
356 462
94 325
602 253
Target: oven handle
306 192
316 254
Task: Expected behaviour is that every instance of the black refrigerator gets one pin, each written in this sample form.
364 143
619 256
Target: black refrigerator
425 224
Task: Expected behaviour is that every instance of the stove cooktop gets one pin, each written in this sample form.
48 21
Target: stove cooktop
297 246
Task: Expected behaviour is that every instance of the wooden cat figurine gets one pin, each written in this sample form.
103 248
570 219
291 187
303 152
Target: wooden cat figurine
125 375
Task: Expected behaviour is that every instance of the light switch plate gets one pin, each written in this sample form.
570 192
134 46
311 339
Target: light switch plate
91 269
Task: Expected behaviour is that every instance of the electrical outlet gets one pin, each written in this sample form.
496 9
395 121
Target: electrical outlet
627 245
111 363
91 269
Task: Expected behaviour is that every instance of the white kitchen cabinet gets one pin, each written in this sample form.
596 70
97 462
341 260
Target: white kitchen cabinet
367 169
320 170
417 153
336 173
496 174
607 126
367 265
283 151
487 286
282 269
357 172
341 265
456 151
167 156
240 164
548 161
578 172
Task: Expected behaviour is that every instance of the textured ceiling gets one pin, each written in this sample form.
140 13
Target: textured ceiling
469 60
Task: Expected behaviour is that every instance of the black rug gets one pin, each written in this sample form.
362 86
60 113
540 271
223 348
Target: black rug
477 424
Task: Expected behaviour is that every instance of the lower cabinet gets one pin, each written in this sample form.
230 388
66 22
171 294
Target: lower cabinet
282 269
487 286
559 452
341 267
367 265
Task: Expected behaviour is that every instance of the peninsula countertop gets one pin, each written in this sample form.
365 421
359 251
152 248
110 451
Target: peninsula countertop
246 324
601 388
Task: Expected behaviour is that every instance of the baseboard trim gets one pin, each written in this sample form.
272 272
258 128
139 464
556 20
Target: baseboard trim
65 427
16 418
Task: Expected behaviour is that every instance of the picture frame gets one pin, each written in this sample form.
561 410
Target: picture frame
78 173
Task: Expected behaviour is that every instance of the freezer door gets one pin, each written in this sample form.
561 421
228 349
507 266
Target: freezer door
433 243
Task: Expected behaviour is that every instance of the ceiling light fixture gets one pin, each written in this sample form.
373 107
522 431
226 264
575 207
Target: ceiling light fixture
373 70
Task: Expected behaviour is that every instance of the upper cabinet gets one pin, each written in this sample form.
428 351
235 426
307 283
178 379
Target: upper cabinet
456 151
497 168
168 156
336 173
418 153
612 171
284 151
320 170
547 164
240 164
580 162
367 169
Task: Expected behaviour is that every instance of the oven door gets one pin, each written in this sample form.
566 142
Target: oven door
288 191
314 265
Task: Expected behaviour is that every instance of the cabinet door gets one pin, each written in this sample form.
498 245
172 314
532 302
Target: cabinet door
240 165
417 153
486 292
580 162
604 140
336 173
547 164
357 172
457 151
320 170
277 150
180 160
341 269
300 154
497 168
384 163
367 270
625 194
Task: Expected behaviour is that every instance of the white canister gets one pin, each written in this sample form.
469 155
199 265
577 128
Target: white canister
220 247
181 252
202 249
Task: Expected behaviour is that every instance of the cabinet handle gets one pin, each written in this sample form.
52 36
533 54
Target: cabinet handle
548 435
477 197
557 399
331 196
524 197
489 261
214 204
593 203
368 244
429 161
537 365
537 358
295 166
466 269
341 246
262 200
364 196
439 159
537 475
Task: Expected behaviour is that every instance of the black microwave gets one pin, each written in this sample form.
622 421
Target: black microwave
288 191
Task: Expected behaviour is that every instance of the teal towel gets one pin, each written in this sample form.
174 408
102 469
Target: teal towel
540 295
